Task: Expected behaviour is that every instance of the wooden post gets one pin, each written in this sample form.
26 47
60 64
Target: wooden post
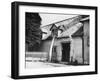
50 53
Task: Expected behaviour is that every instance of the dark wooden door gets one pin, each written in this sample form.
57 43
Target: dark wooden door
65 52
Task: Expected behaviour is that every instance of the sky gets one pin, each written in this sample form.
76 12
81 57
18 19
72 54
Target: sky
51 18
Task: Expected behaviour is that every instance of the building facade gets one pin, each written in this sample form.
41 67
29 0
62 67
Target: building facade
70 46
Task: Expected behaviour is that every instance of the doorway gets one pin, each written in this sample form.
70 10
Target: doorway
65 52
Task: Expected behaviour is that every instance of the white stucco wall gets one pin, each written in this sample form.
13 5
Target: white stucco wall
77 49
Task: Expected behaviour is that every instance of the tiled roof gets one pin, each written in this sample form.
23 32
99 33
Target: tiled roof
74 29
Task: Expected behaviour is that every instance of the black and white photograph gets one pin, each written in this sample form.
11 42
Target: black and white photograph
56 40
51 40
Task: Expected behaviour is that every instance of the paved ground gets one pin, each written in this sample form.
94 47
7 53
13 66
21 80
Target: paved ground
43 65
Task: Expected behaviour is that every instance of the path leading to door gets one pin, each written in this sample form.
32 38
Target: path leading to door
31 65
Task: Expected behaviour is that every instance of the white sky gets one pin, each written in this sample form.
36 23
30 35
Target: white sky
51 18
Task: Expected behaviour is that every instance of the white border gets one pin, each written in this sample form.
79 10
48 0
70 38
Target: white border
71 69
